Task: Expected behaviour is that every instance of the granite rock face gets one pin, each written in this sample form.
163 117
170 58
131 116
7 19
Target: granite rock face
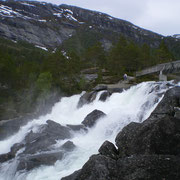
48 25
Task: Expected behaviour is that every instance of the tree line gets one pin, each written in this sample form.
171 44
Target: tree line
24 68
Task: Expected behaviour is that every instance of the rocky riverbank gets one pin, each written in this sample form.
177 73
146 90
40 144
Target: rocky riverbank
148 150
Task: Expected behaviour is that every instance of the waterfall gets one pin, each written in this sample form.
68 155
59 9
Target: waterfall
132 105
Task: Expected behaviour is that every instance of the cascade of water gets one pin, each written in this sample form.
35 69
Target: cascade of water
135 105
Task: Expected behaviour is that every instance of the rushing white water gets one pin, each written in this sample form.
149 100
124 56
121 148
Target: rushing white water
133 105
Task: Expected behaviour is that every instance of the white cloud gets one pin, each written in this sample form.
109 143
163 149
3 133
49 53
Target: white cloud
161 16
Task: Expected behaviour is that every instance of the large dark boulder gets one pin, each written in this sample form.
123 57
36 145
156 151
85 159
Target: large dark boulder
161 136
153 167
146 151
167 106
36 149
92 118
141 167
46 137
37 146
98 167
31 161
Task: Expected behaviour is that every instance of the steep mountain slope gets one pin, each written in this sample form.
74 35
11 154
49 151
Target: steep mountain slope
49 25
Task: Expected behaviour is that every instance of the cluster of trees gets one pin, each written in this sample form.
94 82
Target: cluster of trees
28 75
126 56
25 69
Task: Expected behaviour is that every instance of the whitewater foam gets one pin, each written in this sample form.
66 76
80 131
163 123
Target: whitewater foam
133 105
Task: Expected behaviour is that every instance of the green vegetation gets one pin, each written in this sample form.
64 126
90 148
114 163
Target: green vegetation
29 74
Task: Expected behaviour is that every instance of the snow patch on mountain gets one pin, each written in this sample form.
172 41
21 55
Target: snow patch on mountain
69 11
8 12
59 15
41 47
70 17
26 4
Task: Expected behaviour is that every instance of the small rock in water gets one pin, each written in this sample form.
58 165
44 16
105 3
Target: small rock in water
68 146
87 98
104 96
92 118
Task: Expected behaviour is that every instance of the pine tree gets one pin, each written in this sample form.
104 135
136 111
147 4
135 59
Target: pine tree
163 54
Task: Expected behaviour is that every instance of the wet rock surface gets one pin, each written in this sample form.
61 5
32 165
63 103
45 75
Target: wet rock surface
6 157
106 89
87 98
153 167
37 147
108 149
12 126
169 103
146 151
98 167
46 137
103 97
91 119
68 146
75 128
161 136
34 161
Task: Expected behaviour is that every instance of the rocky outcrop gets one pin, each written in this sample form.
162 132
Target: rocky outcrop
169 104
46 137
91 119
48 25
160 136
37 147
148 150
106 89
33 161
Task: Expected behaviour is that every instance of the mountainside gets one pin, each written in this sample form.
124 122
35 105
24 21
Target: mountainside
94 48
49 25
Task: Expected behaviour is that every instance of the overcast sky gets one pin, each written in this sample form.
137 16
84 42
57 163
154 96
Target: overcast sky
160 16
